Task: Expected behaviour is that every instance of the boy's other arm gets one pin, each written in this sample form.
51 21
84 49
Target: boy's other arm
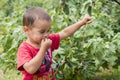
73 28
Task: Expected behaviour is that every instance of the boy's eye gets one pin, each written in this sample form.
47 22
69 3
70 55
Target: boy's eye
41 32
48 31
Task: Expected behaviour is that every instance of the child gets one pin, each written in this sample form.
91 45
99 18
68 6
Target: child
35 53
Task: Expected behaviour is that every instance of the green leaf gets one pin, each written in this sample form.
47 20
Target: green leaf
90 10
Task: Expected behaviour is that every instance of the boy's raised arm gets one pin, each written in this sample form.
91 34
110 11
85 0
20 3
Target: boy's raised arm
73 28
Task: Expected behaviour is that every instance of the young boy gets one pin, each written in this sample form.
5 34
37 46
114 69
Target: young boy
35 53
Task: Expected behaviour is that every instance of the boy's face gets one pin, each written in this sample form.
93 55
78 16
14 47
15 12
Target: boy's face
40 30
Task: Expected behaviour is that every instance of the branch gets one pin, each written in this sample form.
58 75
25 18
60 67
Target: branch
116 2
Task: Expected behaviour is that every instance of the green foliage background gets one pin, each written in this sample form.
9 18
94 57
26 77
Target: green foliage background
79 56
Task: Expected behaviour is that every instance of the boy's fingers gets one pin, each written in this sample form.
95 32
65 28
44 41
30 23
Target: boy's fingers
89 22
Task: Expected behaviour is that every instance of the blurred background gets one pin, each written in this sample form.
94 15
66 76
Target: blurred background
92 53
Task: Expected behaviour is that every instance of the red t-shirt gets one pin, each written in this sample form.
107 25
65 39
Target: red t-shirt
26 52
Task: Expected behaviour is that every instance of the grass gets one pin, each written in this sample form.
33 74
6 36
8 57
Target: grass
13 74
113 74
10 75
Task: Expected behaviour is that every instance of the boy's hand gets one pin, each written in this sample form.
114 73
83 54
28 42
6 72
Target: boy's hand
46 43
87 19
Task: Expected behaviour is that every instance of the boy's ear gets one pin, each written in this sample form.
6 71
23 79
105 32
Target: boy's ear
25 28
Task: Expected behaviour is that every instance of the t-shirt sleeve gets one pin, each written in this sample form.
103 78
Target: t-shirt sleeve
55 41
23 56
